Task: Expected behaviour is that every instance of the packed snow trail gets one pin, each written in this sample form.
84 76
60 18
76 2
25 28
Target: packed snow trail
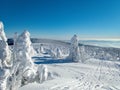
92 75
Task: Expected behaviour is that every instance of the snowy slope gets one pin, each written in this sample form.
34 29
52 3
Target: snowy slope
93 75
102 73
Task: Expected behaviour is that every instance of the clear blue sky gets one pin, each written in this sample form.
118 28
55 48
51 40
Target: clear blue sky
60 19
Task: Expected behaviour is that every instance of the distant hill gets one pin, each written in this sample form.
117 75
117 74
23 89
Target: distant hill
10 41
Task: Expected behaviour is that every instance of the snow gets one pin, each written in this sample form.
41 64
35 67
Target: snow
5 53
5 57
23 65
16 65
57 65
59 53
74 49
92 75
2 33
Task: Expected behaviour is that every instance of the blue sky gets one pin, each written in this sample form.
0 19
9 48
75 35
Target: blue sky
60 19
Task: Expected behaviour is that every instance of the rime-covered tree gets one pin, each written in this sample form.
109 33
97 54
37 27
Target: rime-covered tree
23 64
58 53
5 54
21 70
74 49
5 60
24 70
41 49
2 33
83 55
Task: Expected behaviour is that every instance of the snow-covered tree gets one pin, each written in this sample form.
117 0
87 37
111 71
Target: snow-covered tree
23 42
5 54
58 53
83 55
19 70
41 48
5 59
22 62
74 49
4 76
24 70
2 33
15 37
51 53
42 74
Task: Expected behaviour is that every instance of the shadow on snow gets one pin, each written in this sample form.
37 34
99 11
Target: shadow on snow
49 60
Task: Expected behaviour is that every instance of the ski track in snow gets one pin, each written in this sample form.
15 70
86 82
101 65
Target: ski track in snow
93 79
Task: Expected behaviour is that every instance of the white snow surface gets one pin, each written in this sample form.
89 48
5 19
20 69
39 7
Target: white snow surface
92 75
100 69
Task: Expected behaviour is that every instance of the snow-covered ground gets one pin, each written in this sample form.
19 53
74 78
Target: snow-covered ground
71 65
93 74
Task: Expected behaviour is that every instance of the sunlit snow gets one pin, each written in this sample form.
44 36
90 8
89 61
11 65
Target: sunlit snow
45 64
